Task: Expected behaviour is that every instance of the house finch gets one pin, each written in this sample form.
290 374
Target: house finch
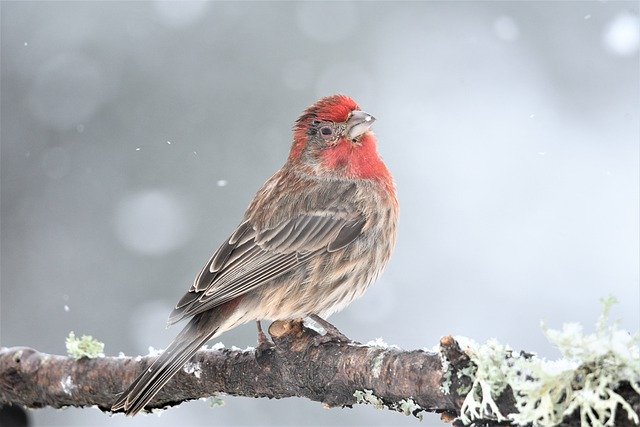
316 235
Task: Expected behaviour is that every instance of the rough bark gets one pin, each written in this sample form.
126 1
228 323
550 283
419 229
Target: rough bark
302 363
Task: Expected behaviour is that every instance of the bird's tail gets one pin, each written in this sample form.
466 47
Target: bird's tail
195 334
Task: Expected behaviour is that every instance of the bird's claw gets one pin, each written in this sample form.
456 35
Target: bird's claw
264 343
331 334
331 337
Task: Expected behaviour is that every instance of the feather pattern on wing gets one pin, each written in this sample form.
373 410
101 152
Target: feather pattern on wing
251 258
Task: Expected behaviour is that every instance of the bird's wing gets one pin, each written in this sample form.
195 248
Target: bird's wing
251 257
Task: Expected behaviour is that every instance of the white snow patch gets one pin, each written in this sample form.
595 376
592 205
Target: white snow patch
465 342
193 368
379 343
217 346
67 385
157 412
433 349
556 367
220 346
313 325
154 352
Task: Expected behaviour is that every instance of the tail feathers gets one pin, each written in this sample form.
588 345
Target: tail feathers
149 383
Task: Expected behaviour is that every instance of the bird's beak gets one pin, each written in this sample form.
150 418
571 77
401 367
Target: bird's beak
359 123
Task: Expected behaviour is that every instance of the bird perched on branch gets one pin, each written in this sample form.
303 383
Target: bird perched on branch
315 236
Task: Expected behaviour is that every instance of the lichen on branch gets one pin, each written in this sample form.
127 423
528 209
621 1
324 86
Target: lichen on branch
583 383
86 346
596 382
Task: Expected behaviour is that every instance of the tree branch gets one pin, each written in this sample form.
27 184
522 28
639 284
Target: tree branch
300 364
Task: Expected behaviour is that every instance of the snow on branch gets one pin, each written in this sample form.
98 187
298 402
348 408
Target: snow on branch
597 382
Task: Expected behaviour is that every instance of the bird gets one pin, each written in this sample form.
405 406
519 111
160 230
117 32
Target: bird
315 236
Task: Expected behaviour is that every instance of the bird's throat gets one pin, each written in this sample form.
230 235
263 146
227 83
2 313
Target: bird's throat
357 161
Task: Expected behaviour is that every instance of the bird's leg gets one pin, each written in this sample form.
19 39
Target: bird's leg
262 338
263 341
331 332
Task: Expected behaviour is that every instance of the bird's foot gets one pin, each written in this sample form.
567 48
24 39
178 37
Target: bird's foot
331 333
263 342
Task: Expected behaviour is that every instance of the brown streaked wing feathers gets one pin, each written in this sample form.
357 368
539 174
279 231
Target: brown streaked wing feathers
250 258
218 259
346 235
237 238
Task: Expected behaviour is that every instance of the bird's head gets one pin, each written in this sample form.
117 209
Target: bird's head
333 138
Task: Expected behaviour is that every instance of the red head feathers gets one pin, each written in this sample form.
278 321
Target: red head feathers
333 137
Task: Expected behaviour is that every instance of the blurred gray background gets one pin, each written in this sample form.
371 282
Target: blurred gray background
134 134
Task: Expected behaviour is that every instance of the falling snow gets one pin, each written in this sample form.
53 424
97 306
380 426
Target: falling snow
465 77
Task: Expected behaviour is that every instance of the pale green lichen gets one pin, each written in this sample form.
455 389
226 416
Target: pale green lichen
366 396
445 387
490 379
215 401
469 372
409 407
583 380
376 368
85 346
406 406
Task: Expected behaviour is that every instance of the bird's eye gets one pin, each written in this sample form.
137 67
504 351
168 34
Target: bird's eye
326 131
